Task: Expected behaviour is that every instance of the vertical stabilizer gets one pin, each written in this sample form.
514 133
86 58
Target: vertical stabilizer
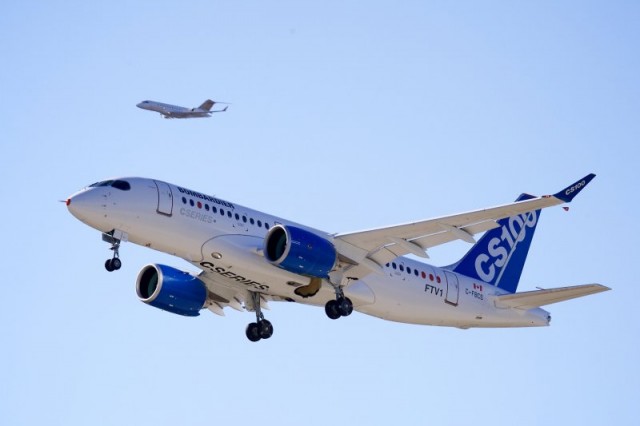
498 257
206 105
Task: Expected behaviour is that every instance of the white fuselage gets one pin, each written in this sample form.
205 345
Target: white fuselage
226 240
173 111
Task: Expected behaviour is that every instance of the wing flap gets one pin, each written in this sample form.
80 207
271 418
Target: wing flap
534 299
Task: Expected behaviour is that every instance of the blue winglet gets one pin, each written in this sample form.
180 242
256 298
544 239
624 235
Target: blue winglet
572 190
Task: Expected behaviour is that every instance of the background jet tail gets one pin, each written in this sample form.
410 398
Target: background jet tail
499 256
206 105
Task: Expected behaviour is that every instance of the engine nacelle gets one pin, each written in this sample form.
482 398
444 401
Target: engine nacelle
299 251
172 290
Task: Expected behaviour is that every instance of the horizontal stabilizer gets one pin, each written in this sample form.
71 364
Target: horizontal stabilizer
533 299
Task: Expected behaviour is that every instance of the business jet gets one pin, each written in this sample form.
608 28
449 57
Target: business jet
174 111
246 259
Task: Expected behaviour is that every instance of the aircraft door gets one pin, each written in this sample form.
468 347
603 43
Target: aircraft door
165 198
453 289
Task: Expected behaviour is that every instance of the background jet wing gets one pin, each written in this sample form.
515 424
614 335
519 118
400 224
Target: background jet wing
368 250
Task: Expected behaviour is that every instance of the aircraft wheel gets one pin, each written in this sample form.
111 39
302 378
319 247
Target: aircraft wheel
345 306
116 263
332 310
265 328
108 265
253 332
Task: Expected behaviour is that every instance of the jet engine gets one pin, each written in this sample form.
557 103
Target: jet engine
170 289
299 251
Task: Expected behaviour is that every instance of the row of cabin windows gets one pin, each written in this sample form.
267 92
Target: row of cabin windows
222 212
415 272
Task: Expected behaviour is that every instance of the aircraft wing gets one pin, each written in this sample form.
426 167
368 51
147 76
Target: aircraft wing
221 295
533 299
367 251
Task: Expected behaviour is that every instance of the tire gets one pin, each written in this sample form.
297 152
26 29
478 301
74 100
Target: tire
116 263
253 332
345 307
108 265
265 328
331 309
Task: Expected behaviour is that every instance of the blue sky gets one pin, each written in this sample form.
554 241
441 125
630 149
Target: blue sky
344 116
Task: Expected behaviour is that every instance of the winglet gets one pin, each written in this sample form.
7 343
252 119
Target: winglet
572 190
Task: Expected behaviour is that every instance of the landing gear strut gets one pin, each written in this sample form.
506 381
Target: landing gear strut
340 307
114 263
262 328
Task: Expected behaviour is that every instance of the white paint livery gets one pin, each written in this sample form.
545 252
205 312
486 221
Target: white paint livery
225 241
175 111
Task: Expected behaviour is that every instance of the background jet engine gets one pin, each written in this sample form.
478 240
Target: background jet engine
170 289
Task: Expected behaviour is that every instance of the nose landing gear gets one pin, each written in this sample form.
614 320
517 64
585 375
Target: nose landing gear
114 263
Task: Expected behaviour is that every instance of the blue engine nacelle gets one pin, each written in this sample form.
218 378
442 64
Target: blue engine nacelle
170 289
299 251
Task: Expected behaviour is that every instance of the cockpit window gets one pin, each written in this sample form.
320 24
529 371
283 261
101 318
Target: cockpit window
119 184
102 183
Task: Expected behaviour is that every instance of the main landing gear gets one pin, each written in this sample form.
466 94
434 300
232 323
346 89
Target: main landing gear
262 328
340 307
114 263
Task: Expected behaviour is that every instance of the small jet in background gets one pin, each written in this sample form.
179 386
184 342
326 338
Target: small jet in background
174 111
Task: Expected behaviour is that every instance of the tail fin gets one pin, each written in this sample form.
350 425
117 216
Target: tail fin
207 105
498 257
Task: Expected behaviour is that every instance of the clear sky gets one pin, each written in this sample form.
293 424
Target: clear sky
345 115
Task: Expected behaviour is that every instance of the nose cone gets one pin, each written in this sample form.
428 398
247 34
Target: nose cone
87 206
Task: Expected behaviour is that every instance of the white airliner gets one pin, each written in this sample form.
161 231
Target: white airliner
174 111
247 258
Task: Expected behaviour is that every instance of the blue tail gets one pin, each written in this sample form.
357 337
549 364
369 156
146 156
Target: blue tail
498 258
